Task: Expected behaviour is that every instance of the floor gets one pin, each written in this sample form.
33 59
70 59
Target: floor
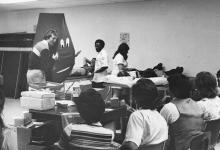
12 109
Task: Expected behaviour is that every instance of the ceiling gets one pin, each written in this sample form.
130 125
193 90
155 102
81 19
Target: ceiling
57 4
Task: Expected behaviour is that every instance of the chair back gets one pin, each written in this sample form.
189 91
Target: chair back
200 142
213 126
159 146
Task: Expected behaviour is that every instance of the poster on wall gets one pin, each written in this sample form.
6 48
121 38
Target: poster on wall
125 38
64 46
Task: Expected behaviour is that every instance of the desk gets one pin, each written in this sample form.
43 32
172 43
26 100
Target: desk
162 90
55 114
78 78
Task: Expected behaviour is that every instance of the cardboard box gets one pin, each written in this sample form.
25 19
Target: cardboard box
23 137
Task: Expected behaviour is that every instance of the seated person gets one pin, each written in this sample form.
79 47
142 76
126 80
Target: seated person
210 103
90 135
182 114
87 69
145 126
8 137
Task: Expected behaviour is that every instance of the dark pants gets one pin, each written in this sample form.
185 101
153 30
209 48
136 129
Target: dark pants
98 85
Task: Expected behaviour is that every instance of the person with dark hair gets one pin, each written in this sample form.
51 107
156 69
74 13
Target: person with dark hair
145 126
182 114
42 58
90 135
120 60
101 65
8 137
206 84
120 65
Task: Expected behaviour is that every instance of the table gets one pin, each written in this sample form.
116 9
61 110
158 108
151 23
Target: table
162 90
55 115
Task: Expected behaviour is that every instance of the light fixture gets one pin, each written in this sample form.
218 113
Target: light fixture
15 1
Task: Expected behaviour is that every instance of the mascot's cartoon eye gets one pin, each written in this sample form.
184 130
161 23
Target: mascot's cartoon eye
67 42
62 43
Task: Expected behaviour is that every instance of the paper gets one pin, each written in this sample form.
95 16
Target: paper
65 102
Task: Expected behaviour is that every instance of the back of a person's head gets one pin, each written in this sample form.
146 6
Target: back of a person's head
180 86
206 83
145 93
91 106
49 33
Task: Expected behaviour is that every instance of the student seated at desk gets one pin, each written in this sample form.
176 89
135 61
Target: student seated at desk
146 127
206 84
90 135
183 115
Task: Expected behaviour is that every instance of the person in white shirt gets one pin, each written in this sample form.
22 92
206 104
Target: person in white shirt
145 126
120 64
183 115
120 69
120 59
101 65
206 84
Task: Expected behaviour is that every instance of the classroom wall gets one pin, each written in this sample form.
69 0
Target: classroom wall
176 33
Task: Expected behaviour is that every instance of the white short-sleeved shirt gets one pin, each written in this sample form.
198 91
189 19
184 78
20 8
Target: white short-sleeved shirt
146 127
119 59
170 113
210 106
101 61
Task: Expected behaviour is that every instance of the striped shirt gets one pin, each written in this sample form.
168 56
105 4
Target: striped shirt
83 136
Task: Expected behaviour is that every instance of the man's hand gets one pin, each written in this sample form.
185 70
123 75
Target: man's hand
55 56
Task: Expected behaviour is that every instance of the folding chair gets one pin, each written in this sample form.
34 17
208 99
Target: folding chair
213 126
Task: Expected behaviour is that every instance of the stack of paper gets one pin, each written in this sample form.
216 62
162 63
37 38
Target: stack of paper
38 100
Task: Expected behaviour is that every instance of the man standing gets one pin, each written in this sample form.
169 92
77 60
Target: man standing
42 58
101 65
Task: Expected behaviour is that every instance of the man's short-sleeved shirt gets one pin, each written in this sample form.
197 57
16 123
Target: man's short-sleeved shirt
146 127
101 61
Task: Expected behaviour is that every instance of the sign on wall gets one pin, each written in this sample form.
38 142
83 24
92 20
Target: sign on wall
125 37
